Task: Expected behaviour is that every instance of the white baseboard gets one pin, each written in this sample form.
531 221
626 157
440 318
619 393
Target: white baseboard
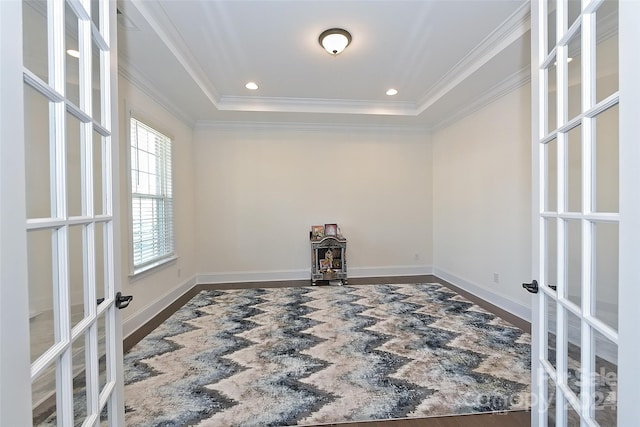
512 307
284 275
252 276
152 309
394 270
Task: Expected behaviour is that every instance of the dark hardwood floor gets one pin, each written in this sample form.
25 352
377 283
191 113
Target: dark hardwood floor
506 419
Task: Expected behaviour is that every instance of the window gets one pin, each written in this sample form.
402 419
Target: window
151 197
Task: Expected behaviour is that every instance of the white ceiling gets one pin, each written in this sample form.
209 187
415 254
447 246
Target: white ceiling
445 58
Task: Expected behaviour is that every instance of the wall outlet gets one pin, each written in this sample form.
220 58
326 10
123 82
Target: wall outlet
496 278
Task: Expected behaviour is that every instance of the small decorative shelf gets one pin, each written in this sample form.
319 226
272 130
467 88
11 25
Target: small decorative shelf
328 259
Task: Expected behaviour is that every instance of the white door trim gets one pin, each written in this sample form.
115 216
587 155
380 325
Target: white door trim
15 379
629 274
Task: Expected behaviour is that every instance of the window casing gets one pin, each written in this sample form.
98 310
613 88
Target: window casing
151 197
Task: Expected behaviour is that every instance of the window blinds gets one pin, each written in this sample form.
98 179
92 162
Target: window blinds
151 196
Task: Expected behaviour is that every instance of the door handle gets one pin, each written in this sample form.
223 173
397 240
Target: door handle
531 287
122 301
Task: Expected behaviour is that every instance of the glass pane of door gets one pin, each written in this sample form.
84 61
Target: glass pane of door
70 230
578 204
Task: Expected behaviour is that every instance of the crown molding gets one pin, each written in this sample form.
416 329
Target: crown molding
512 29
157 18
511 83
606 29
137 79
309 127
315 105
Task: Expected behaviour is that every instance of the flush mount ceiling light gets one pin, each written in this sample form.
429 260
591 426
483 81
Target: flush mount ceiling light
73 52
251 86
334 40
392 92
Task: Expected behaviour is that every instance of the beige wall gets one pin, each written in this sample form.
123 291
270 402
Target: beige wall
155 285
482 198
458 201
260 190
153 290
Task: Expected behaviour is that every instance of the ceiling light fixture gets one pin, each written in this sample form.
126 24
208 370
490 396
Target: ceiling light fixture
251 86
392 92
334 40
73 52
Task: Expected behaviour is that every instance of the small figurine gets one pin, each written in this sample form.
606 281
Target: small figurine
328 256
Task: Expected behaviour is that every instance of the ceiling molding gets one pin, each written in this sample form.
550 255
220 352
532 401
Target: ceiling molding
512 29
314 105
607 28
157 18
511 83
136 78
309 127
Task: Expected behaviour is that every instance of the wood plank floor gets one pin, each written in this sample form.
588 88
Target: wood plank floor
507 419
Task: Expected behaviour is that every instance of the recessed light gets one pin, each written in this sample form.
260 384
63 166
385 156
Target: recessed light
392 92
73 52
251 86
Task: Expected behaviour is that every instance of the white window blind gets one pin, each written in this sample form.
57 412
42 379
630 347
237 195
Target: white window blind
151 196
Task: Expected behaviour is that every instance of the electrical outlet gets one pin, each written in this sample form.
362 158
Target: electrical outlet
496 278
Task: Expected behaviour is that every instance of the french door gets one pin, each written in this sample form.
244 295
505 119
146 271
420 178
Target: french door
60 328
586 227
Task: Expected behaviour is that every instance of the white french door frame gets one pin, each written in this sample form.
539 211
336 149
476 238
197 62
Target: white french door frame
17 372
15 369
629 272
627 337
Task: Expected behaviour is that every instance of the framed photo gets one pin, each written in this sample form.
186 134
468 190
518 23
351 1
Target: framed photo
317 232
325 264
331 229
337 263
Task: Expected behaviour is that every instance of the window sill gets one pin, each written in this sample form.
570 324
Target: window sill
152 268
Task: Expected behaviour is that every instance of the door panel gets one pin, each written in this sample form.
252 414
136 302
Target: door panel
576 174
64 166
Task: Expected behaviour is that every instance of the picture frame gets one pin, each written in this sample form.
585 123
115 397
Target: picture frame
317 232
325 264
337 263
331 230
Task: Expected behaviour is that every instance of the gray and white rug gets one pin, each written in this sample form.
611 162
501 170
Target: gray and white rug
312 355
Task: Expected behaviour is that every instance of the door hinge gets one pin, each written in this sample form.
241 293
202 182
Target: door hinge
531 287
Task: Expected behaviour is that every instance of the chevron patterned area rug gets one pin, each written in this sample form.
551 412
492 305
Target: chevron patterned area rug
314 355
